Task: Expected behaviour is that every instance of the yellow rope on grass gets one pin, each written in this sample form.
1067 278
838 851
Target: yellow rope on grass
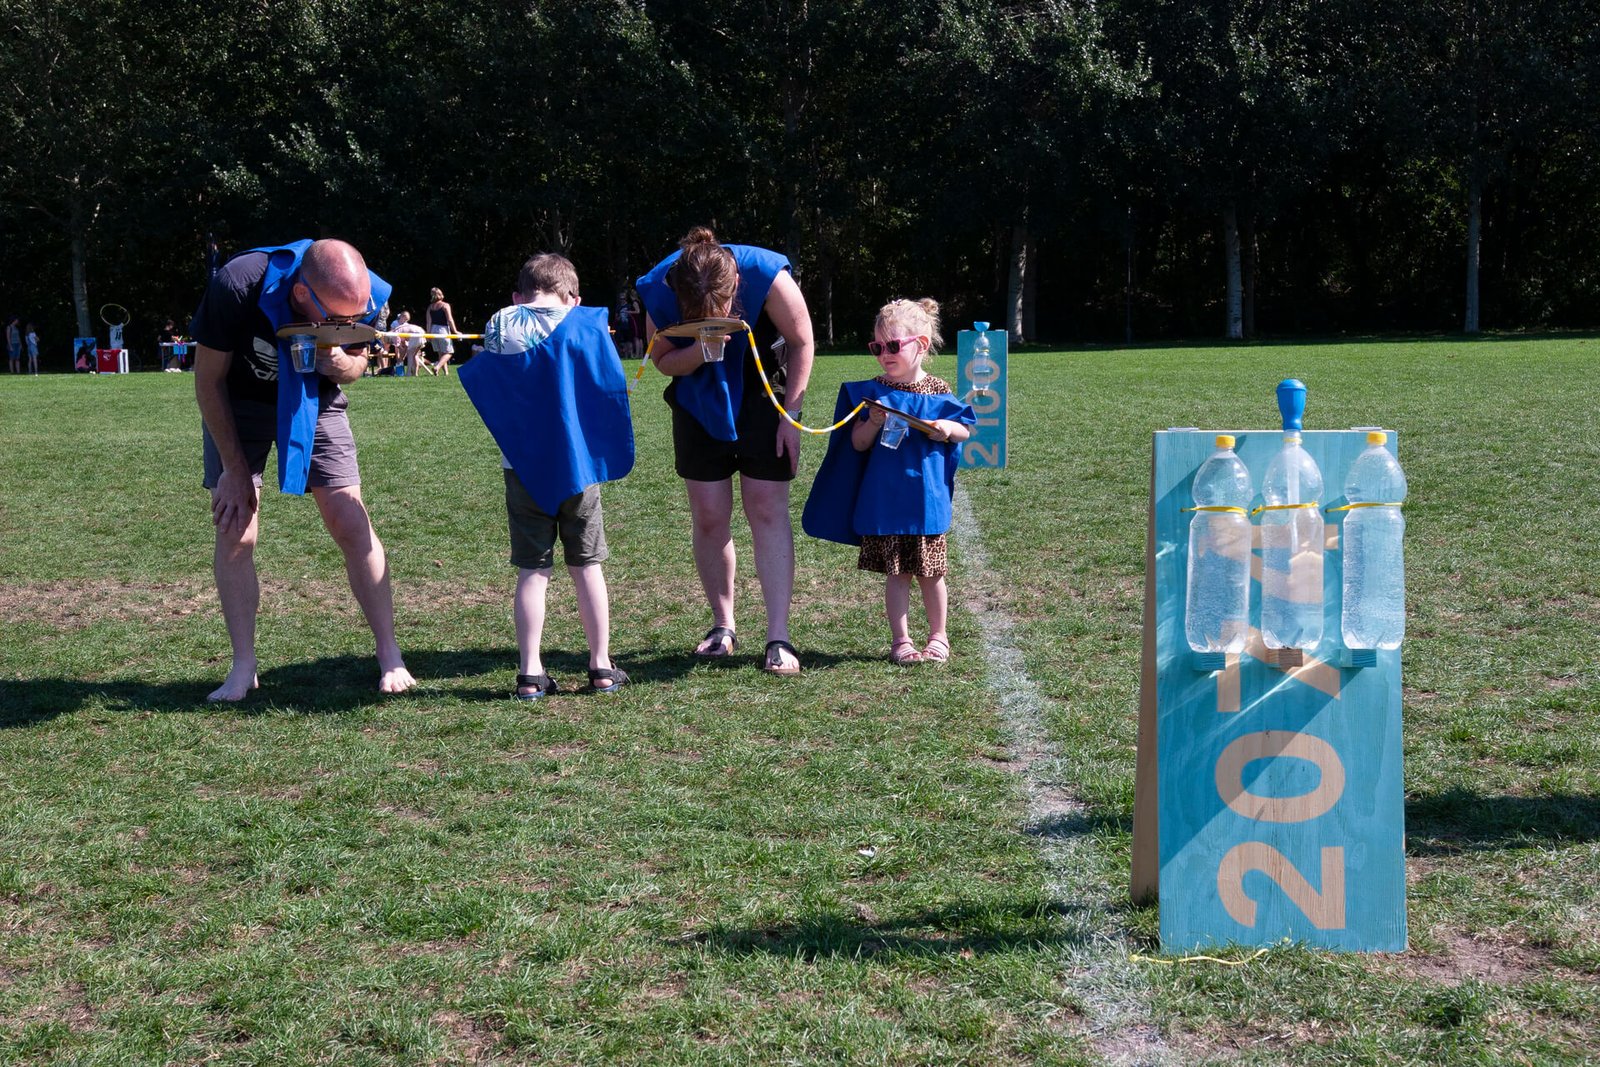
1199 959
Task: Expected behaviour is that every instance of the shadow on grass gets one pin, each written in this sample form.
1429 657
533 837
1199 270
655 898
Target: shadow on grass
329 685
337 684
957 930
1458 820
1079 823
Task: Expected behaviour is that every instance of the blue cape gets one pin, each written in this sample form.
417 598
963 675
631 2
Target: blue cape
886 491
713 393
558 411
297 393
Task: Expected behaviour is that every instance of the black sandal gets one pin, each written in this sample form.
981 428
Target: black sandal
773 664
719 634
541 684
617 677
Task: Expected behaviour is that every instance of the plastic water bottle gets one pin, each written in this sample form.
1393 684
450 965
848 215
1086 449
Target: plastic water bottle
1374 612
1291 535
981 369
1217 602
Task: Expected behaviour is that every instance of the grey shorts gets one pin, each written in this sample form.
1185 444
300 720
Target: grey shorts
333 450
578 522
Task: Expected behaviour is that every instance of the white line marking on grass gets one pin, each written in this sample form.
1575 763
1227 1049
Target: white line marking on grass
1097 971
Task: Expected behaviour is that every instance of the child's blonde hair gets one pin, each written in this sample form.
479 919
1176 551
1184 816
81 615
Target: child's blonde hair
920 317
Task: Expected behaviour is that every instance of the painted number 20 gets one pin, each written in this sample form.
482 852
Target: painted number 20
1326 909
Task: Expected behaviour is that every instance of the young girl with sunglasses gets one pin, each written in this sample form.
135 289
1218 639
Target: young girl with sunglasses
887 481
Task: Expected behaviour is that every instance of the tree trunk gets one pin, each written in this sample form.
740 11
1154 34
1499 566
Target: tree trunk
1474 247
1252 257
827 305
80 280
1017 282
1230 240
1030 295
1127 284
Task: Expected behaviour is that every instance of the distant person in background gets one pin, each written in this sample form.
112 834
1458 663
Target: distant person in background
636 310
409 344
622 328
441 320
84 360
213 257
166 338
31 339
14 343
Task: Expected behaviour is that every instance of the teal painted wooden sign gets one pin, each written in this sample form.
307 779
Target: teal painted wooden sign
1280 801
981 379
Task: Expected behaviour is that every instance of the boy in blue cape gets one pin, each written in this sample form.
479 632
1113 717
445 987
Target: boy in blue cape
550 387
888 486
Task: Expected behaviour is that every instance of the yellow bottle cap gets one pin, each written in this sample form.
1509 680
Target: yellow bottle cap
1377 437
1224 440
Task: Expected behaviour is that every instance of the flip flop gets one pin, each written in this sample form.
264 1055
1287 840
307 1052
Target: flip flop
719 634
773 664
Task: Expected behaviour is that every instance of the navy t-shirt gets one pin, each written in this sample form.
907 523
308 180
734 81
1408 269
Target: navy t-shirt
230 319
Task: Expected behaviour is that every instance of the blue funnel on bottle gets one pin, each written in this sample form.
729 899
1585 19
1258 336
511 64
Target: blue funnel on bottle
1292 403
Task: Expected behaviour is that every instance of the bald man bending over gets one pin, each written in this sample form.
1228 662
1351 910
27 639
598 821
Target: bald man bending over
236 384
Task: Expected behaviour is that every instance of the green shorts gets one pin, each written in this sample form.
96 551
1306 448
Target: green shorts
578 522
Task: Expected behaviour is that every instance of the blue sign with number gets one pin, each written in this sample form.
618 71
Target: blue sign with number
981 381
1281 808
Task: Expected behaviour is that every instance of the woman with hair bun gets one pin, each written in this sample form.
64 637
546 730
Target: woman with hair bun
723 424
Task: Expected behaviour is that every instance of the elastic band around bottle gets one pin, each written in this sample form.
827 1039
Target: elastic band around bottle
1369 504
1284 507
1217 507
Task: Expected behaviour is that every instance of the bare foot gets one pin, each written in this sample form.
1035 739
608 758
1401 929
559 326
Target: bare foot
396 680
236 686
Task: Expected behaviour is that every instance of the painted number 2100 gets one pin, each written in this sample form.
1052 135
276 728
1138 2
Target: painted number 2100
1325 909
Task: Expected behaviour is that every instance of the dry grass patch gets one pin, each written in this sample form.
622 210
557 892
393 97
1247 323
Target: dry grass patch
1463 957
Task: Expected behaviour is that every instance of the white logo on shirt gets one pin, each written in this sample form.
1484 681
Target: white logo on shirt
264 360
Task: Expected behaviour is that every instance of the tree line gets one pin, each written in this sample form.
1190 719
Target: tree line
1079 170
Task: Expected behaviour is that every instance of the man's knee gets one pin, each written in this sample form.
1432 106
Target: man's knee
346 519
238 545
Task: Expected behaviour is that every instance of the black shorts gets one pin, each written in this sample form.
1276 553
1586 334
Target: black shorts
699 457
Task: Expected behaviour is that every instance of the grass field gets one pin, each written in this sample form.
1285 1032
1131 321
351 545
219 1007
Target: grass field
716 866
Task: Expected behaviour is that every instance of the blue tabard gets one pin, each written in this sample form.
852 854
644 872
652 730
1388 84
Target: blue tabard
559 411
907 490
712 393
297 393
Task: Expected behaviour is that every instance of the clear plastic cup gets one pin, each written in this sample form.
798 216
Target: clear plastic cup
894 431
303 353
711 345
